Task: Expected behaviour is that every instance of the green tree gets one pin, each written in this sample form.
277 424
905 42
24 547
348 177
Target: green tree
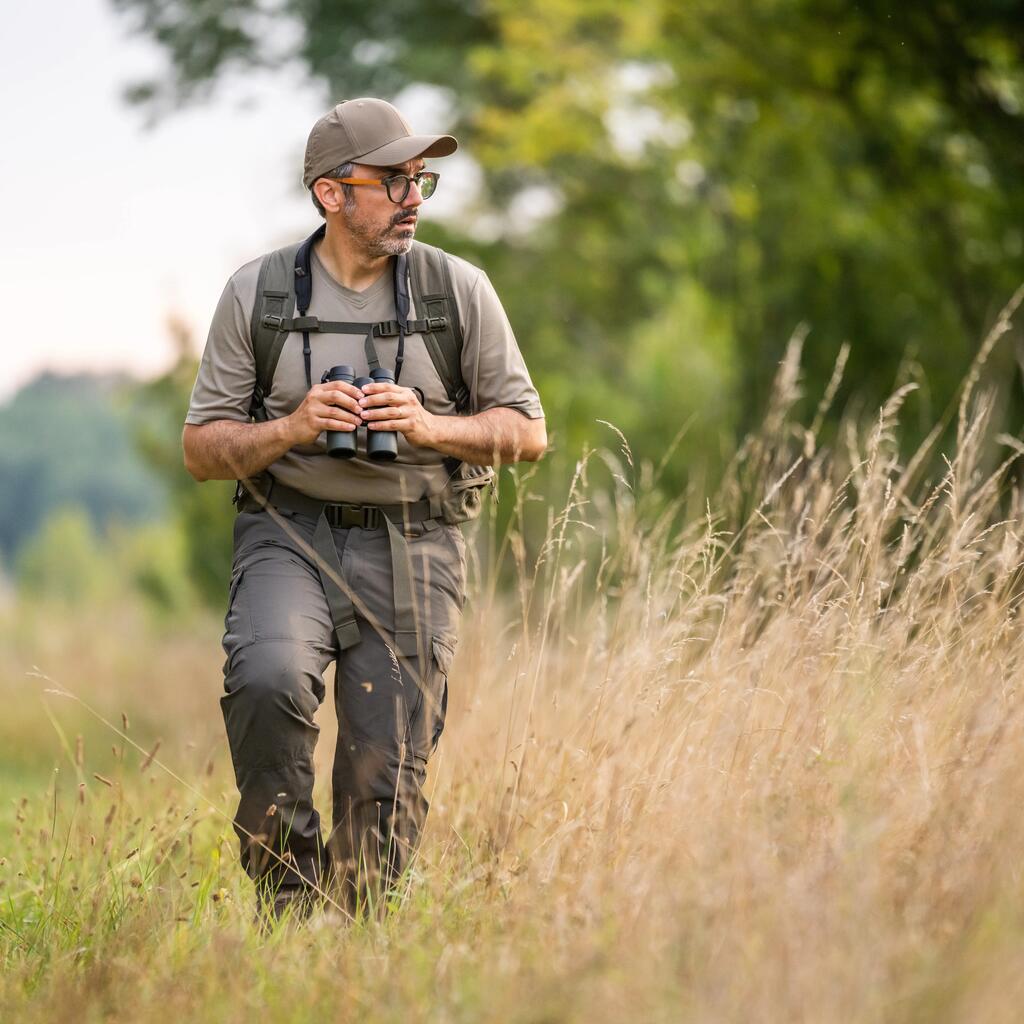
65 441
204 514
65 560
714 175
153 561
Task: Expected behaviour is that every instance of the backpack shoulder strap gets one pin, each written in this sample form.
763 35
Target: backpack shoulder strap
275 296
432 292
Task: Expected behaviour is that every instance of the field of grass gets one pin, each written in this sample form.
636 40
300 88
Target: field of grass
757 763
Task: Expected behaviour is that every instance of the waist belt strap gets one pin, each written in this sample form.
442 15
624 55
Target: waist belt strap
343 613
341 514
405 602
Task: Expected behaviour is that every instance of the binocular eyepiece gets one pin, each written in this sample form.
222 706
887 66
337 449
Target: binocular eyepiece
381 445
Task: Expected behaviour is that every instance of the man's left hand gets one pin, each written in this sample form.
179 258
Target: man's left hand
392 407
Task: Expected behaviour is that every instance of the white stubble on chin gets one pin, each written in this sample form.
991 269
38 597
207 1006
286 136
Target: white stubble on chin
397 242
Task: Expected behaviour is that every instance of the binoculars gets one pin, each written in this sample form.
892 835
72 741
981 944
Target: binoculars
381 445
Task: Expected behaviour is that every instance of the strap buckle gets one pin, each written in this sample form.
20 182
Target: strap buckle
272 321
436 323
366 517
385 329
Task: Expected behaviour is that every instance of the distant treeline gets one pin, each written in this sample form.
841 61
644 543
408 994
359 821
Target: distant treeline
69 441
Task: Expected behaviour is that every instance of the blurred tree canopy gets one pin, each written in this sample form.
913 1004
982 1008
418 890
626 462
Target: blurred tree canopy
204 515
65 441
671 188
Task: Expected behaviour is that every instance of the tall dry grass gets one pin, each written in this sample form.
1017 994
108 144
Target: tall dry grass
757 764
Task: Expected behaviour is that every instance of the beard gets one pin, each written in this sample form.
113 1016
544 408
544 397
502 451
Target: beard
377 240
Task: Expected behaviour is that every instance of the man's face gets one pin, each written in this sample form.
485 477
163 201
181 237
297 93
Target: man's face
383 227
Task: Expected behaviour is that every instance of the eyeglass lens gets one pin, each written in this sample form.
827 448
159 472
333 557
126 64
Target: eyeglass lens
398 185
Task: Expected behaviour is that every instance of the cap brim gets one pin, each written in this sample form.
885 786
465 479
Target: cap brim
408 148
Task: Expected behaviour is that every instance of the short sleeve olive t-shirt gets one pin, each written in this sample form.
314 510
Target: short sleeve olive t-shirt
492 367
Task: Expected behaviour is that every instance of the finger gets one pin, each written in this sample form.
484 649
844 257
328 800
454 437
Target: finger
404 398
382 398
336 399
338 385
343 406
378 386
400 425
388 412
336 415
327 423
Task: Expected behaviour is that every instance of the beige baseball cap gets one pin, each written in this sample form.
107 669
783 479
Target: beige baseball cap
366 131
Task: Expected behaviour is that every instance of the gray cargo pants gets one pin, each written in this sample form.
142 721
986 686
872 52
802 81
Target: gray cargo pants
279 639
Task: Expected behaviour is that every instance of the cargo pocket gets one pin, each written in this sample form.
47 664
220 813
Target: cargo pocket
443 649
238 632
462 498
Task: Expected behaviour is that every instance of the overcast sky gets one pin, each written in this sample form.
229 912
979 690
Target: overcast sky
108 227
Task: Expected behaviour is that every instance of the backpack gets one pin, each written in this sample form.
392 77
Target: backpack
285 284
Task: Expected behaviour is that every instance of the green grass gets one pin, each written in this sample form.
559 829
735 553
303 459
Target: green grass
762 764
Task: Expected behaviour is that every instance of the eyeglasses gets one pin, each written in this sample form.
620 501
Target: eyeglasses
398 185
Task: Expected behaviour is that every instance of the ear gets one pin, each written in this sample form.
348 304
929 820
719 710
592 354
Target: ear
329 193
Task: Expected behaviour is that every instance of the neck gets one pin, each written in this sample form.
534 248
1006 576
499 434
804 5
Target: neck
346 261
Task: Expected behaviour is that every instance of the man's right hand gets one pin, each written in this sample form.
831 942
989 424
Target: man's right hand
330 406
232 450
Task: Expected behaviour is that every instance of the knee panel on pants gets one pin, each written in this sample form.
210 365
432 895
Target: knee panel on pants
272 692
274 671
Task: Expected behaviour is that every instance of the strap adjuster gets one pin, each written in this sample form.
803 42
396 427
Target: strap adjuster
436 323
272 321
385 329
366 517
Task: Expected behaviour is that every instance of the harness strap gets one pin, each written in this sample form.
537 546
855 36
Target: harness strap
368 517
343 612
372 359
380 329
285 285
406 633
432 285
303 297
401 308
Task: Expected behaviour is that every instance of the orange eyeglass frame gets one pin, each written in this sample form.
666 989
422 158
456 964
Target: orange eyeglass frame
382 182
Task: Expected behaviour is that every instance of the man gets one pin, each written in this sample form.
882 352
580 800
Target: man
355 560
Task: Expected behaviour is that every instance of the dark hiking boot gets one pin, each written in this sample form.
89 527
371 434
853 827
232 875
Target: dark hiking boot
297 903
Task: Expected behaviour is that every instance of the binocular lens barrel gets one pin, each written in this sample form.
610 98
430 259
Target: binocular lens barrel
381 445
341 444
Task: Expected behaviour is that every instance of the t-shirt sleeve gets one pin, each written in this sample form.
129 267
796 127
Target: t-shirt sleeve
492 365
227 371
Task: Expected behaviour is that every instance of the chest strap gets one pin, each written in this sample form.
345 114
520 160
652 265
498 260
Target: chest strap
381 329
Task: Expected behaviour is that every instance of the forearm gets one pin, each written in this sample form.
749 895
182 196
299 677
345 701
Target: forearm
231 450
495 435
